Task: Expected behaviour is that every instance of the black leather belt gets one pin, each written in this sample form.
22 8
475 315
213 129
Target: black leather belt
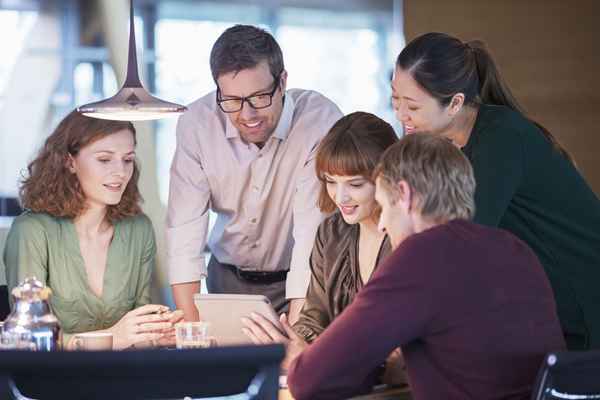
258 276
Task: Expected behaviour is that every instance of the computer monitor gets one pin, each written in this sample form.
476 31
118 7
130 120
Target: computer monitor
142 374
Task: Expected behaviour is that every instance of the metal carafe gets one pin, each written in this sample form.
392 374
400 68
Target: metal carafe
31 321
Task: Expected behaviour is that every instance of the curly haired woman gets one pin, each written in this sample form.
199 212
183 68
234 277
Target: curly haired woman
84 235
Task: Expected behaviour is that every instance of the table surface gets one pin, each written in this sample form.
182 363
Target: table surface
396 393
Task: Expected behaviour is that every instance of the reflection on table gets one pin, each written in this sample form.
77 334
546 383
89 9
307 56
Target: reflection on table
384 393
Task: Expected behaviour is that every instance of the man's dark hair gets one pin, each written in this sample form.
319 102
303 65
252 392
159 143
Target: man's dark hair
245 46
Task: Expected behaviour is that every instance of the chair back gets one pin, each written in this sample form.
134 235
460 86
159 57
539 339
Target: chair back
569 375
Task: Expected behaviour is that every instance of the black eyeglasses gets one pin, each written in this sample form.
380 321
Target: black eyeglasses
256 101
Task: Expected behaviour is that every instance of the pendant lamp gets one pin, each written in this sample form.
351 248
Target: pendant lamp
132 102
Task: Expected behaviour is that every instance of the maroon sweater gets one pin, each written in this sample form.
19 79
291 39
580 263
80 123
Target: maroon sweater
470 306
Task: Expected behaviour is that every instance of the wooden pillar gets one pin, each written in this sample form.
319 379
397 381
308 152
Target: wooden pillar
547 50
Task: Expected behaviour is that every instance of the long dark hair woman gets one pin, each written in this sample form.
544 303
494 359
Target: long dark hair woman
526 182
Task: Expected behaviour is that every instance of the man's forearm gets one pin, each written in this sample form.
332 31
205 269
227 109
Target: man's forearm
183 294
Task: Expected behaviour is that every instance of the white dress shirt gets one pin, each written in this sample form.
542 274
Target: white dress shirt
265 198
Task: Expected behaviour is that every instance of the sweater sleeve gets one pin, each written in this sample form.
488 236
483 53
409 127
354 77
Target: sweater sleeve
334 366
497 159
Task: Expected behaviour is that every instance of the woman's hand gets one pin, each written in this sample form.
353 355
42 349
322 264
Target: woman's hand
144 324
168 339
262 331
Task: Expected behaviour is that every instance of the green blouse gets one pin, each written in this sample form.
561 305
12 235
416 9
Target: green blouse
48 248
526 187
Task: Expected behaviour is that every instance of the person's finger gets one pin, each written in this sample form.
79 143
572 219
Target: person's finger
146 318
145 337
251 335
289 331
166 341
149 309
271 330
152 327
176 316
169 331
168 335
258 331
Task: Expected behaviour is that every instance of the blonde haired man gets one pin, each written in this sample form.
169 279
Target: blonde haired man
469 305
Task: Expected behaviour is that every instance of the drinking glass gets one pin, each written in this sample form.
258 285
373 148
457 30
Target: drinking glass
193 335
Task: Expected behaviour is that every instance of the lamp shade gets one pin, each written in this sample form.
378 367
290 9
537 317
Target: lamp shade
132 102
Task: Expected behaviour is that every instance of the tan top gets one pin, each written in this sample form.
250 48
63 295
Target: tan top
265 199
48 248
336 278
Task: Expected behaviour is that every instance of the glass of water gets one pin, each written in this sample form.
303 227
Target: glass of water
193 335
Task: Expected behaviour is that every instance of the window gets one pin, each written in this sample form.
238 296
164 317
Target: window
182 75
340 54
353 87
93 81
344 54
15 25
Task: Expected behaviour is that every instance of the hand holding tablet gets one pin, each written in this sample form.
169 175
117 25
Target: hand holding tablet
225 313
262 331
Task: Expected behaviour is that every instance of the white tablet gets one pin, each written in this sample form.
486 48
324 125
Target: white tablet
225 312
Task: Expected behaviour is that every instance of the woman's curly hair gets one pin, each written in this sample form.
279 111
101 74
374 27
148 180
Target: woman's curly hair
51 188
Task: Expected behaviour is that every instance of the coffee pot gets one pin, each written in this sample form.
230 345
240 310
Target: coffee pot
31 324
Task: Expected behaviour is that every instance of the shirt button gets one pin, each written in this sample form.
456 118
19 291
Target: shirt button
255 188
253 220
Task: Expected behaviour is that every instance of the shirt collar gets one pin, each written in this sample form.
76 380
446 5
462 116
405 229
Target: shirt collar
285 121
283 126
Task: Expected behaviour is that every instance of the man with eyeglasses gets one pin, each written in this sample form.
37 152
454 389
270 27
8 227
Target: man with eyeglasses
246 152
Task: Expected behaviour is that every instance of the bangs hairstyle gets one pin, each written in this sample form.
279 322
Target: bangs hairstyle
52 188
352 146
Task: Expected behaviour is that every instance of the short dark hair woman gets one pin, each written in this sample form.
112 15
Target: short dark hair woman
526 182
348 245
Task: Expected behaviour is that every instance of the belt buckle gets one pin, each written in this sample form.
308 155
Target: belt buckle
258 276
239 272
246 275
254 276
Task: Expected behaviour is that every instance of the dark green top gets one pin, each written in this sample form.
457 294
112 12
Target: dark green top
526 187
48 248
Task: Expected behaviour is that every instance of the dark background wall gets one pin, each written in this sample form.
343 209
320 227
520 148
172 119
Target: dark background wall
547 50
